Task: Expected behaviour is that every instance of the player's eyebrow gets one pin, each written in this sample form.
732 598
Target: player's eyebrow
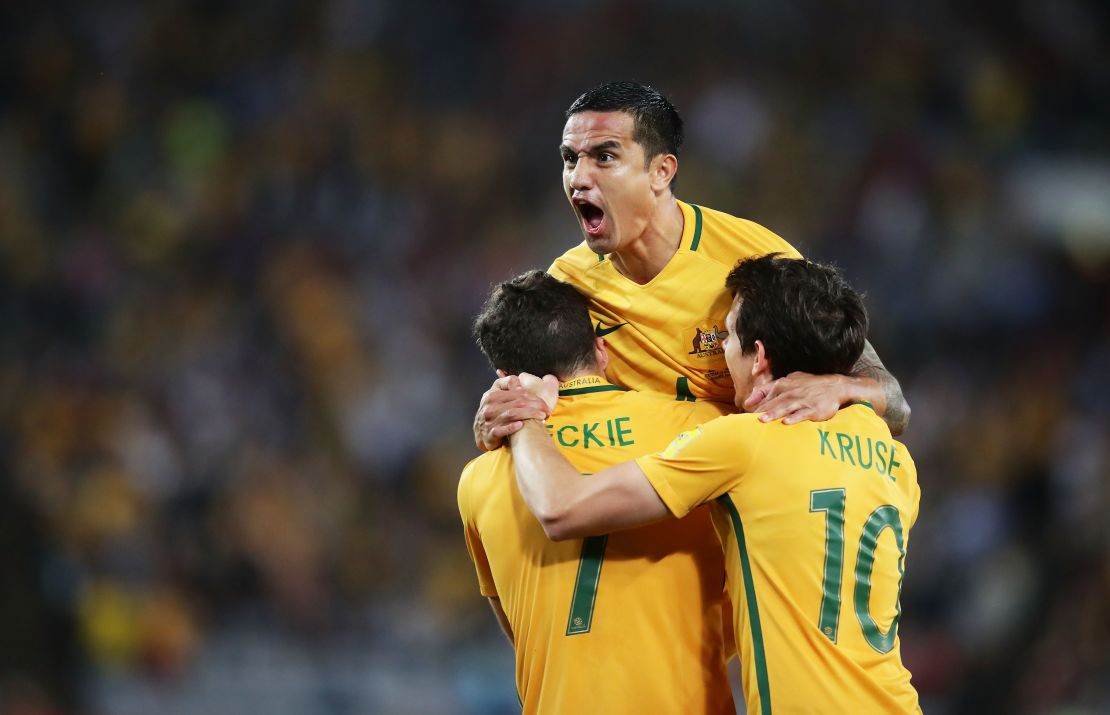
605 146
608 145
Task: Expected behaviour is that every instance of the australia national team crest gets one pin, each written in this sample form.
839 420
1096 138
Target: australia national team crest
706 342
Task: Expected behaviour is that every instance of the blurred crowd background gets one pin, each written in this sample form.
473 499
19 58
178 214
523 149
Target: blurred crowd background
241 246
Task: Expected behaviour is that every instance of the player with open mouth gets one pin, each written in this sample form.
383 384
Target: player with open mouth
593 217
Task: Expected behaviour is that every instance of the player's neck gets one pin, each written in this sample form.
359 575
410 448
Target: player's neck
646 257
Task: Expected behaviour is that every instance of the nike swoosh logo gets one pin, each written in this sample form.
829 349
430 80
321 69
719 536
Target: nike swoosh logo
602 332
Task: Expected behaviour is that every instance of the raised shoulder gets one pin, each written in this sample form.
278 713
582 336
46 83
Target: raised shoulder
574 263
727 238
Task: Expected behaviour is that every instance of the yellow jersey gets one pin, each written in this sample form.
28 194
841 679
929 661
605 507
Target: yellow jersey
625 623
814 519
666 335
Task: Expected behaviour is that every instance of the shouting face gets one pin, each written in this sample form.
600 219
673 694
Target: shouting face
607 180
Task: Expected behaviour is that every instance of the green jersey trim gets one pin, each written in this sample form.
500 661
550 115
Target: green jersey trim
682 390
585 390
758 652
697 228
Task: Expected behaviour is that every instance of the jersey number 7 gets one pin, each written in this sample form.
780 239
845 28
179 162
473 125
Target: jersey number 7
585 585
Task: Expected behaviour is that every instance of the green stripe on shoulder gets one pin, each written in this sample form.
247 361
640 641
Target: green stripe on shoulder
586 390
864 403
697 227
758 651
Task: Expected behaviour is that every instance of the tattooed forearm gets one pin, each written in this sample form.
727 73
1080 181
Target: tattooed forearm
897 413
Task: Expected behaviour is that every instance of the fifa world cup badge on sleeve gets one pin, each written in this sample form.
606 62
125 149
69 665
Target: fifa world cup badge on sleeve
680 443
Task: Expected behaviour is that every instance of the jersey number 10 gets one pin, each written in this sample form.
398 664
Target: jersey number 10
832 501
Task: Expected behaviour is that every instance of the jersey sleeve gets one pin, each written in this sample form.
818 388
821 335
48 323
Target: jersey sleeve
767 241
701 464
742 238
473 539
786 249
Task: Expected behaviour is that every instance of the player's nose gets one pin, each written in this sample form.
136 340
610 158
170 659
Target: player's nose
580 177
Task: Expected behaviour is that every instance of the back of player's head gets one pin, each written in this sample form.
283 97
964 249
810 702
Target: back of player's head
807 316
538 324
657 128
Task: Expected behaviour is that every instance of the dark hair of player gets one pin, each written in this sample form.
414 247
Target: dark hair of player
806 314
538 324
657 126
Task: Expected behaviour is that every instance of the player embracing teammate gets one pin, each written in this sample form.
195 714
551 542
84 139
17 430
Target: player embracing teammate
812 517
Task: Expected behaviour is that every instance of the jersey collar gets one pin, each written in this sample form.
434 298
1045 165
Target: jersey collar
585 385
691 226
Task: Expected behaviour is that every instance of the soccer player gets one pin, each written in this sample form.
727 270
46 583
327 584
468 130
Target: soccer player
653 266
814 517
629 623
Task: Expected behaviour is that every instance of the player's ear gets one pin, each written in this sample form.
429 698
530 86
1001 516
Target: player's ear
601 354
662 169
761 366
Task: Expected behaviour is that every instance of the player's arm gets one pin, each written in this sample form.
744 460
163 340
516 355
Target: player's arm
502 618
569 505
888 400
800 396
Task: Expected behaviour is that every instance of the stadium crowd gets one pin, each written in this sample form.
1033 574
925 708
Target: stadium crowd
241 248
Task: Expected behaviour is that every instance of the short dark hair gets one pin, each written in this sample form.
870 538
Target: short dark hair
536 323
806 314
657 127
